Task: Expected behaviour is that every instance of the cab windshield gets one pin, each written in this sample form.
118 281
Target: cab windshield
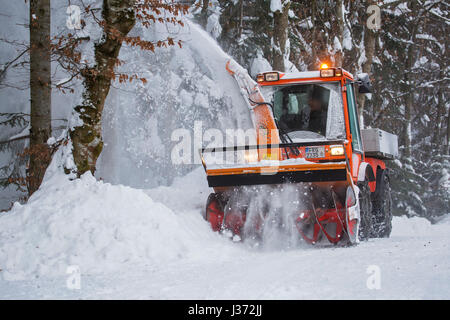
308 111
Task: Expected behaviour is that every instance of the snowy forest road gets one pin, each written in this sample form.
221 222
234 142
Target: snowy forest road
409 268
413 264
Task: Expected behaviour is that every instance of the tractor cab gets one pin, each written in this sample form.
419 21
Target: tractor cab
317 106
314 105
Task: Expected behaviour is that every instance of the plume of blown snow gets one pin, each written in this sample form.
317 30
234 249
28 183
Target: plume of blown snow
184 86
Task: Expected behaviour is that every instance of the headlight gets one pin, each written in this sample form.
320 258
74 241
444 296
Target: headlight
260 77
326 73
271 76
251 156
337 150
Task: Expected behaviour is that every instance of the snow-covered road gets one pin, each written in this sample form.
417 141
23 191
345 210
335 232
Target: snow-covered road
410 268
413 264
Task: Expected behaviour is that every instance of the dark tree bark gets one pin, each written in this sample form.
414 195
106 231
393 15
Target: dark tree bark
204 13
40 93
410 85
241 17
447 151
369 46
280 36
315 57
87 140
440 114
339 55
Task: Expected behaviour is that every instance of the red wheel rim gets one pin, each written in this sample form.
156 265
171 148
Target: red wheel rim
214 215
352 227
234 221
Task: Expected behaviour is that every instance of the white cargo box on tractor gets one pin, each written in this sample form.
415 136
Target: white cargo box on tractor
379 144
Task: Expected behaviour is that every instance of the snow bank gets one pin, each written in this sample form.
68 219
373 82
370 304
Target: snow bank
94 225
188 193
411 227
445 220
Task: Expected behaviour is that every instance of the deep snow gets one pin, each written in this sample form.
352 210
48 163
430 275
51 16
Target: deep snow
131 243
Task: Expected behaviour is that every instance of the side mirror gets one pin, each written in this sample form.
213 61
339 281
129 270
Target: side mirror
363 82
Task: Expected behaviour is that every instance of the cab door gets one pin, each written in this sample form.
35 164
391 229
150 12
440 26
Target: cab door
357 155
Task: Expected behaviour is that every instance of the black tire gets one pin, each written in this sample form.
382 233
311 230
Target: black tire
382 207
365 207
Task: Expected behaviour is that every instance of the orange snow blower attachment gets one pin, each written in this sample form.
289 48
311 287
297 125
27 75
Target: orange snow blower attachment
241 166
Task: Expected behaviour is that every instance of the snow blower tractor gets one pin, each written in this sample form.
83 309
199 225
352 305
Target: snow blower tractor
307 134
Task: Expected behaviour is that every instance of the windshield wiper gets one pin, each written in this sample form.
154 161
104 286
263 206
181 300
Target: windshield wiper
284 136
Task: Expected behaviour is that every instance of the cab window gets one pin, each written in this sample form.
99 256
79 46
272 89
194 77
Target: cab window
353 118
302 107
308 111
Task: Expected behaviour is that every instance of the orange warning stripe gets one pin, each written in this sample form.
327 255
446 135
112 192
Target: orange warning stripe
273 169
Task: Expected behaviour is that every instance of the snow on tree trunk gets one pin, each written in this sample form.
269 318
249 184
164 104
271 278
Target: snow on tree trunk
86 135
409 98
40 93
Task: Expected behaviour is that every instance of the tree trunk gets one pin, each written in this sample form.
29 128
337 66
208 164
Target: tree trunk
204 13
87 140
409 101
407 127
410 88
280 36
448 133
40 93
339 55
313 65
369 46
437 137
241 18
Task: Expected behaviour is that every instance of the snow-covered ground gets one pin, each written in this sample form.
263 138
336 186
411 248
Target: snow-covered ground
154 244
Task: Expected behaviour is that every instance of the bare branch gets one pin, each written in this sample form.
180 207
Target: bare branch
8 64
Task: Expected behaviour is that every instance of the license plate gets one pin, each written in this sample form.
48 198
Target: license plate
315 152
